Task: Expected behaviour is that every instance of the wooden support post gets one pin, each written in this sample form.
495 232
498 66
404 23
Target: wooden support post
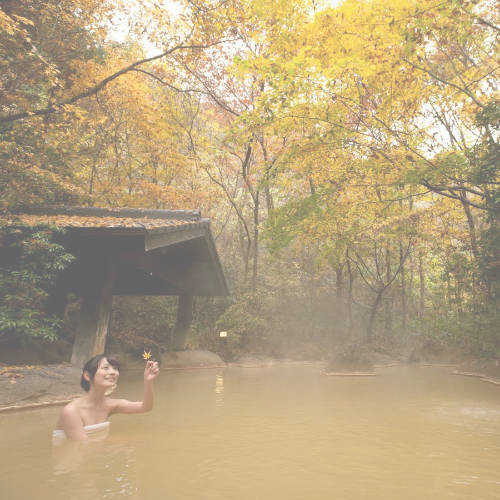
183 323
95 312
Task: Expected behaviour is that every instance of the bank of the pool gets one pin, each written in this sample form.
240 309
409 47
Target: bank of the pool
35 386
25 387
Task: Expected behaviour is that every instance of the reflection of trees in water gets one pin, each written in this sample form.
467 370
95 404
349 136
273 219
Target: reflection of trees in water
106 469
219 390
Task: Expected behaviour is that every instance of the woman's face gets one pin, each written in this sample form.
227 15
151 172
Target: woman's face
106 375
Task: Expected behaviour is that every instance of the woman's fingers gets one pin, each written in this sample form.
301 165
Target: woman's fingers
152 368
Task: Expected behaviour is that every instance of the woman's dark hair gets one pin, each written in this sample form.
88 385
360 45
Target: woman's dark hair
92 365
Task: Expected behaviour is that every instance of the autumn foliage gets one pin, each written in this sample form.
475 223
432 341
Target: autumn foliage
346 152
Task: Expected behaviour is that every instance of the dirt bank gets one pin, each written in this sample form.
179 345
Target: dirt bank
27 386
487 370
35 384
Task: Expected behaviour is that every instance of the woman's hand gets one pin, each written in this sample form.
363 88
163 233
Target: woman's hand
151 371
123 406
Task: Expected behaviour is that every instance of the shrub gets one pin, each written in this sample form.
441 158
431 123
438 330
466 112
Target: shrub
246 324
475 332
32 258
352 356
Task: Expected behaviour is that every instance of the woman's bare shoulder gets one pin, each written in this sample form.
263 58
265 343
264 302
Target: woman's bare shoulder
73 404
72 409
70 414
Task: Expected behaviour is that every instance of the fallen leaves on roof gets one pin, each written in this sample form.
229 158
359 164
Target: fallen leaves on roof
70 221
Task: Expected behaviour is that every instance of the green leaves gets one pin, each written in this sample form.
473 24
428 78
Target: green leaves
290 220
32 259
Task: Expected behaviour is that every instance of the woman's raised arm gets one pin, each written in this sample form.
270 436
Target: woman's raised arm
124 406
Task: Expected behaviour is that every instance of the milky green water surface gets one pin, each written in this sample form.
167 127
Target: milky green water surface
285 432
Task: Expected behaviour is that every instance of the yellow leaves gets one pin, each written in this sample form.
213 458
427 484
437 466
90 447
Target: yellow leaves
23 20
78 112
12 373
363 40
7 24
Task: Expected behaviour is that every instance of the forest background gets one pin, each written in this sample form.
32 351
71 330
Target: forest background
345 152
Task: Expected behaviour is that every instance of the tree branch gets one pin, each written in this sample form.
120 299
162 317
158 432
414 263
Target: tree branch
441 191
99 86
446 82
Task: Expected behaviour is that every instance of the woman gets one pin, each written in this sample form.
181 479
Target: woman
88 414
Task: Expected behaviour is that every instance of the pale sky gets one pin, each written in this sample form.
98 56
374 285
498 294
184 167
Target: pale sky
118 30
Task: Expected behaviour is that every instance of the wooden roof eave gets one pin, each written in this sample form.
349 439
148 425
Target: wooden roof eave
162 237
215 258
152 230
165 236
154 238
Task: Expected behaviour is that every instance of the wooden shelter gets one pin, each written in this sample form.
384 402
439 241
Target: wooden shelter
131 252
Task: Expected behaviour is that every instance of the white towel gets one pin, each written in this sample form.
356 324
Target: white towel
101 430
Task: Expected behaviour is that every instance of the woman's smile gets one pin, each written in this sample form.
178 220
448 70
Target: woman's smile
106 374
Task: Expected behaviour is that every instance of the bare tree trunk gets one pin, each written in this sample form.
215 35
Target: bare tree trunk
474 247
269 200
389 300
312 186
403 286
268 175
448 289
378 286
92 175
410 296
458 296
340 305
421 309
349 291
245 249
373 314
471 224
339 278
255 241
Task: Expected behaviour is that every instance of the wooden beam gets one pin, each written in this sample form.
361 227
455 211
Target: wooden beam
183 323
157 239
95 312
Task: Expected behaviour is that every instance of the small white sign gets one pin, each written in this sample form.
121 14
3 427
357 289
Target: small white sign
222 334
